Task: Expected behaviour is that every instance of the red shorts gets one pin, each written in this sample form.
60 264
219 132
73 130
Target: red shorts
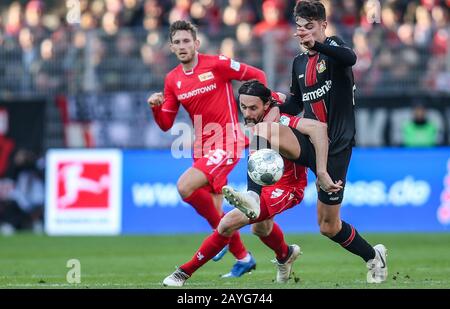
276 199
216 166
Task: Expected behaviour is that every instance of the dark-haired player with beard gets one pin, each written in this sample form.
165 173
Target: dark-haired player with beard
255 101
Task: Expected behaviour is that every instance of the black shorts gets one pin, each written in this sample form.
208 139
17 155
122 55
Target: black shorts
337 166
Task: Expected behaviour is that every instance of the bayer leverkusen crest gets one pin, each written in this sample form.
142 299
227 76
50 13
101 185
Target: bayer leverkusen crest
321 66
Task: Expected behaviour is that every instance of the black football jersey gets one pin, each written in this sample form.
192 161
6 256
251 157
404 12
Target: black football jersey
322 86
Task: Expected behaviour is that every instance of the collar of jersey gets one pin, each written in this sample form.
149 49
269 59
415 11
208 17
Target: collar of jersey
190 72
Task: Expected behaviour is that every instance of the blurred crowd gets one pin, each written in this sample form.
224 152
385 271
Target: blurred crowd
121 45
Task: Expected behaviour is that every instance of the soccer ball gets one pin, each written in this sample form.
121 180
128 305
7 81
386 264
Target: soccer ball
265 167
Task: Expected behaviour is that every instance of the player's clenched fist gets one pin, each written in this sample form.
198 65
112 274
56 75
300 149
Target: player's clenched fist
155 99
306 40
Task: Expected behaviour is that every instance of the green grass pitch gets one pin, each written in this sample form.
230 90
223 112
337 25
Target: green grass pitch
28 261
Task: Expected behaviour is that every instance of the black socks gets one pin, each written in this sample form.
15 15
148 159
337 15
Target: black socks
350 240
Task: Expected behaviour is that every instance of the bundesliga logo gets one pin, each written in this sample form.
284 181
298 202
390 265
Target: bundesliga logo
83 185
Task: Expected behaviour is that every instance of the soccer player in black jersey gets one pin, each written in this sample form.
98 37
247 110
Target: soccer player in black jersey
322 87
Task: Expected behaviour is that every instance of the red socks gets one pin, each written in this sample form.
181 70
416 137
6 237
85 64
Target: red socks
275 241
203 203
208 249
236 246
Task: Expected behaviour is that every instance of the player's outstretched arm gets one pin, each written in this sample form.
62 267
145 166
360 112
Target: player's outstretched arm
317 131
251 72
233 70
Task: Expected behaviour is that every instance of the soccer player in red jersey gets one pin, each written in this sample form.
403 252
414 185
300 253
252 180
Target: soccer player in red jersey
202 84
255 102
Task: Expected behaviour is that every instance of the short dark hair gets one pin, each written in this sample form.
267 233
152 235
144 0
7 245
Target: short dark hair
257 89
310 10
182 25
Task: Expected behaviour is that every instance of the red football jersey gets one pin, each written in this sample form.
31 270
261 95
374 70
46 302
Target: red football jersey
207 95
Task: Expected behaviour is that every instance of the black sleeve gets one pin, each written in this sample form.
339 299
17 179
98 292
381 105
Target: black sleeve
294 104
337 50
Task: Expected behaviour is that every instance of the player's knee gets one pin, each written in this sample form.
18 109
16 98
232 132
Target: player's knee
225 228
184 189
328 229
260 230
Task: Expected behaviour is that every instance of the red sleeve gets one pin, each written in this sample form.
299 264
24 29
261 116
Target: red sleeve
165 114
276 97
289 120
233 70
294 121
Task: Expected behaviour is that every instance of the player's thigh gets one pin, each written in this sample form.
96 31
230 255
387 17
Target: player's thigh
288 146
191 180
232 221
263 228
337 169
281 139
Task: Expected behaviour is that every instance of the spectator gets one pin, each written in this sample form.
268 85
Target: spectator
422 30
274 21
153 13
238 11
133 13
49 72
33 19
363 53
420 132
29 57
13 22
180 11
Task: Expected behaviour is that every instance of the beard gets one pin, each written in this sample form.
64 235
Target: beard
187 59
251 122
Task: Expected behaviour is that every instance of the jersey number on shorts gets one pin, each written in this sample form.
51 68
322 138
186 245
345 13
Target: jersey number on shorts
215 157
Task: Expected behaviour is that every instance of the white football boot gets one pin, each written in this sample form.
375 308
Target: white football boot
247 202
285 269
378 270
177 278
